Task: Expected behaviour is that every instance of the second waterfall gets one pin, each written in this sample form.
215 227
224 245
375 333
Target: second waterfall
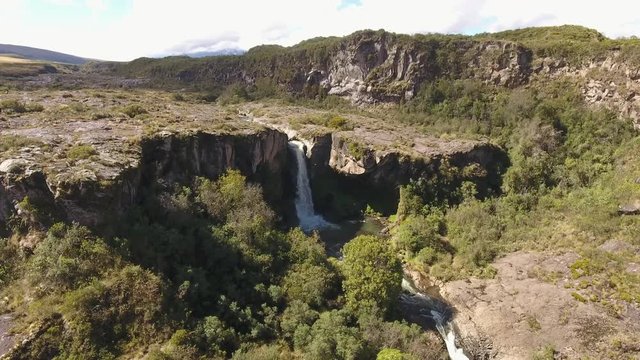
307 217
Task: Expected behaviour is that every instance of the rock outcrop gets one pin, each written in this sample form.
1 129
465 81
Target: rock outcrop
366 175
610 82
521 310
364 165
371 67
365 67
92 195
391 168
631 208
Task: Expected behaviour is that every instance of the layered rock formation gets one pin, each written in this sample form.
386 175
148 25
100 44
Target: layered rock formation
365 165
43 183
163 159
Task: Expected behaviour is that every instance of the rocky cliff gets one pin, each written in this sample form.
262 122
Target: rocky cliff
93 171
162 160
370 67
612 81
370 176
362 165
366 67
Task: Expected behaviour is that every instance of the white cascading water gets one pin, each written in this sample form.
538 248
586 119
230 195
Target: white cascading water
442 325
309 220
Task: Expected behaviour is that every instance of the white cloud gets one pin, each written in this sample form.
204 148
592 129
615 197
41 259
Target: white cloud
157 27
61 2
97 5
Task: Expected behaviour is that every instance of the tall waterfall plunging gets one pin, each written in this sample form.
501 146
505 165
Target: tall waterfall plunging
431 309
309 220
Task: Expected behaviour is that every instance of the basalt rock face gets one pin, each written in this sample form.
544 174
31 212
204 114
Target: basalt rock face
167 158
610 82
373 67
372 177
162 161
366 67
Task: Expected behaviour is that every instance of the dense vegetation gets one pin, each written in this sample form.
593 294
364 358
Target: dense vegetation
570 42
571 168
202 272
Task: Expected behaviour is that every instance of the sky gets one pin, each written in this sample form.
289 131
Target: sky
127 29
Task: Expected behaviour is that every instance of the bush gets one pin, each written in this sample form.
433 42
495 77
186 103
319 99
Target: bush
309 283
297 315
393 354
231 201
18 107
81 152
112 315
8 142
134 110
356 149
8 261
330 337
68 257
337 122
373 275
547 352
417 232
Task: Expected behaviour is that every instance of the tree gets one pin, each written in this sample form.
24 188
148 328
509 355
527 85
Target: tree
332 336
393 354
67 258
309 284
297 314
373 274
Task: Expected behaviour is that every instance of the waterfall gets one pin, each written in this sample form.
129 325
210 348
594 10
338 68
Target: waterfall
443 325
309 220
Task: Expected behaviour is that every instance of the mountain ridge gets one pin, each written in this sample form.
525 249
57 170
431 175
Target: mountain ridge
38 54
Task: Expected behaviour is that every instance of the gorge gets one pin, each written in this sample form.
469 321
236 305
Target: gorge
415 301
166 208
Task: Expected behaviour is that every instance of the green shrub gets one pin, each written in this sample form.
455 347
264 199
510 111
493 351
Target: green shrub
81 152
68 257
309 283
393 354
78 107
18 107
297 315
34 107
356 149
8 142
416 232
100 116
13 106
330 337
112 315
134 110
578 297
547 352
533 323
337 122
373 274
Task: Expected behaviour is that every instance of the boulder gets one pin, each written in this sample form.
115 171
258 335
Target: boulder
632 208
13 165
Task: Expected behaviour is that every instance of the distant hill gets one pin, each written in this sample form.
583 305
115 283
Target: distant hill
223 52
41 54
